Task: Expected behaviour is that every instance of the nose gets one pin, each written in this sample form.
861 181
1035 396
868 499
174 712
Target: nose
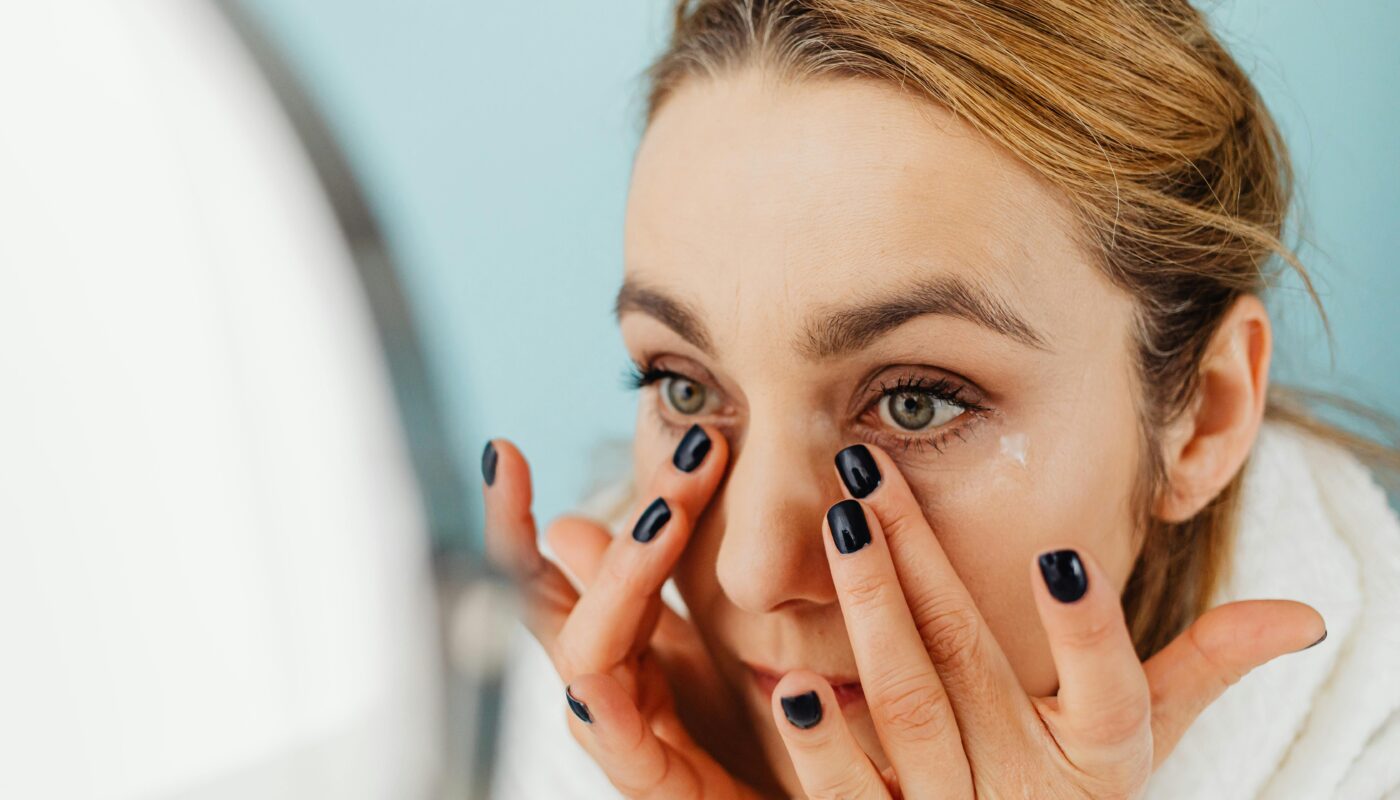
780 486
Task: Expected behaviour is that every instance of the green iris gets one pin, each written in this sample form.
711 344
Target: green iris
919 410
685 396
912 410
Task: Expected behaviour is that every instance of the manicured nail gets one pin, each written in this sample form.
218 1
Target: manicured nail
652 520
803 710
580 710
1316 643
1064 575
488 463
694 446
858 470
848 528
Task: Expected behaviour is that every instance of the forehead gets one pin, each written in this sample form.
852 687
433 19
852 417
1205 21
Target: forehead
754 199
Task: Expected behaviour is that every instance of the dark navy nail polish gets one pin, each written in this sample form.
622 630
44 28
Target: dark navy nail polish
580 710
693 448
858 470
1316 643
848 528
652 520
488 463
803 710
1064 575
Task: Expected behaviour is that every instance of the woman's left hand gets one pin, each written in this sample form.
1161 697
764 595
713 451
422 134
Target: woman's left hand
949 711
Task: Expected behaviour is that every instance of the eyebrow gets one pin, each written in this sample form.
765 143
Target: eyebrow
847 330
853 328
675 314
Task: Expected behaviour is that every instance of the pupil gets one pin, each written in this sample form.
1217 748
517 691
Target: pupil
912 410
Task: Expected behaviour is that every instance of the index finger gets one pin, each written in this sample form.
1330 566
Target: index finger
909 705
979 680
617 610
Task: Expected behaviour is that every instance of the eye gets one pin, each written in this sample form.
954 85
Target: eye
915 410
683 395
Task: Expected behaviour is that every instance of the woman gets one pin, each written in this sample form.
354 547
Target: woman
948 321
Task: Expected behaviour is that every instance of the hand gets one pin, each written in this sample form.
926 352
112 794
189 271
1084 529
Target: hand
610 643
947 707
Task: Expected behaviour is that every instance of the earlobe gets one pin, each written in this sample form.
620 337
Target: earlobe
1211 440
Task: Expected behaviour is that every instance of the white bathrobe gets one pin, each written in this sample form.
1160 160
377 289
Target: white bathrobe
1322 723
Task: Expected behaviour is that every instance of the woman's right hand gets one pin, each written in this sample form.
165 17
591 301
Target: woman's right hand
607 642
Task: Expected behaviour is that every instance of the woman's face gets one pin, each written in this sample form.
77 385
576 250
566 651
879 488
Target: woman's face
833 262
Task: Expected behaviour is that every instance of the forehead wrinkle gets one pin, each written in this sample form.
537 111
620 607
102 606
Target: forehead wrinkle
831 333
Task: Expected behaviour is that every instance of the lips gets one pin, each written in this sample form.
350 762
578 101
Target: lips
765 680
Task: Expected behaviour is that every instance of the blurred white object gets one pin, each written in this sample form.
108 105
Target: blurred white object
213 560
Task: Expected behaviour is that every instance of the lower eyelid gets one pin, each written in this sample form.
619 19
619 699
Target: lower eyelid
939 438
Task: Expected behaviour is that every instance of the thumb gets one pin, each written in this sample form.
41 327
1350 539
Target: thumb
1218 649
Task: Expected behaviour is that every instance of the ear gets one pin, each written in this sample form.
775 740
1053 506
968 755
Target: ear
1208 444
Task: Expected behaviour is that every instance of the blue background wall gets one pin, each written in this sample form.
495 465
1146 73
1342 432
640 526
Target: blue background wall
495 141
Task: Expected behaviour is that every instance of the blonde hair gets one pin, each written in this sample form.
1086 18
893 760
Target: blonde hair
1135 110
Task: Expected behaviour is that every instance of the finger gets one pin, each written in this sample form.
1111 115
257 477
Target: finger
984 690
615 615
511 538
1220 647
907 700
605 720
580 544
824 753
694 471
611 616
1103 713
547 596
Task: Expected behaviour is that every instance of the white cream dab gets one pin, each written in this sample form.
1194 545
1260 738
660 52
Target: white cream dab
1015 446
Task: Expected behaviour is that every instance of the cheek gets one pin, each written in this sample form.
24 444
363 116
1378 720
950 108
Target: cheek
1029 491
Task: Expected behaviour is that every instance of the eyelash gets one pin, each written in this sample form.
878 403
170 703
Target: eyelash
640 376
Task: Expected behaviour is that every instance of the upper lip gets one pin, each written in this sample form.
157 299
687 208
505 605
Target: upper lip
834 680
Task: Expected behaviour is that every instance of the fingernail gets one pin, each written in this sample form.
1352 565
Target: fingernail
803 710
848 528
858 470
1064 575
488 463
1316 643
693 448
652 520
580 710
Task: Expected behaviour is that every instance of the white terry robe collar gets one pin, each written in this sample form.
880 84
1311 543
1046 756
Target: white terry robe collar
1324 722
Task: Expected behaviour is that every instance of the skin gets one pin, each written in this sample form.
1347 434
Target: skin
759 212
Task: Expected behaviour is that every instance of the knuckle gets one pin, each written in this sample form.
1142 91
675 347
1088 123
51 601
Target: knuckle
817 741
625 574
868 594
951 632
1225 675
1090 635
567 661
914 708
1123 722
899 523
847 782
649 776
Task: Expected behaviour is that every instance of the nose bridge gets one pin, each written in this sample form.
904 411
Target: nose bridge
780 484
